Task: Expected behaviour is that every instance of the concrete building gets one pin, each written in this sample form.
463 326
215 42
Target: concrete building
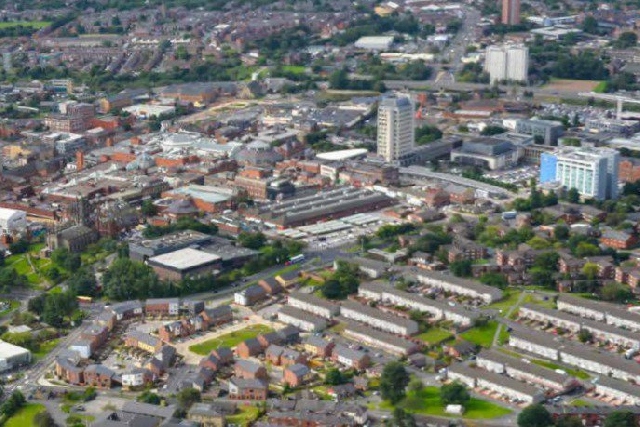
510 12
461 287
396 133
376 43
436 310
600 311
497 152
507 62
301 319
313 304
621 391
12 220
555 317
75 238
382 340
536 343
378 318
12 356
548 130
603 363
500 363
185 263
249 296
592 171
143 249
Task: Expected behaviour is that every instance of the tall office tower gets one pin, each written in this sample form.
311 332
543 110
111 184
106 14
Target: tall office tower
592 171
507 62
396 131
510 12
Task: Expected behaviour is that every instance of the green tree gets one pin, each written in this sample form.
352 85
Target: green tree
616 292
127 279
497 280
626 40
590 270
57 307
43 419
415 385
461 268
570 421
252 240
149 397
83 282
573 195
492 130
585 336
590 25
148 208
19 247
334 377
332 289
535 416
187 397
454 393
620 419
561 232
393 382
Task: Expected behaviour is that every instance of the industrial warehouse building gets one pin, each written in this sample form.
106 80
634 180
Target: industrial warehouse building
12 356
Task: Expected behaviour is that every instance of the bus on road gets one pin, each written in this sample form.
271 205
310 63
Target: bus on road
295 259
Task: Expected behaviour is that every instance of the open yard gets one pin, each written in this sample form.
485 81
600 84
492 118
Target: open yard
45 348
572 86
24 417
428 402
481 335
434 336
231 339
32 24
551 365
245 416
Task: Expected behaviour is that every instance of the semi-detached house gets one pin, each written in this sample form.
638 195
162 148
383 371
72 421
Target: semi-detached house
538 343
313 304
378 319
500 363
455 285
302 319
377 291
600 311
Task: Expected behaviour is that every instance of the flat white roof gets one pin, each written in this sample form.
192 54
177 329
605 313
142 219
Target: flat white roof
184 258
9 350
342 154
6 214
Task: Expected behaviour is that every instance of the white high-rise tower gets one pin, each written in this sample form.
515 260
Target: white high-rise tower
396 131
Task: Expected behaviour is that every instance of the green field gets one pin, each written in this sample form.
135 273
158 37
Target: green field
551 365
602 86
245 417
231 339
434 336
481 335
510 299
428 402
24 417
32 24
45 348
295 69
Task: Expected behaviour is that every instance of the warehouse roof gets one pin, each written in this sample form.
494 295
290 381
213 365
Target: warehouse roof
184 259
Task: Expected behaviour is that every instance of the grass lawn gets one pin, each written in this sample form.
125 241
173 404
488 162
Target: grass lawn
580 402
510 299
295 69
573 372
24 417
12 306
32 24
428 402
287 269
481 335
247 415
600 88
45 348
231 339
434 336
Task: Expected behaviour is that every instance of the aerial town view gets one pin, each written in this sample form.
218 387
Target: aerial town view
319 213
